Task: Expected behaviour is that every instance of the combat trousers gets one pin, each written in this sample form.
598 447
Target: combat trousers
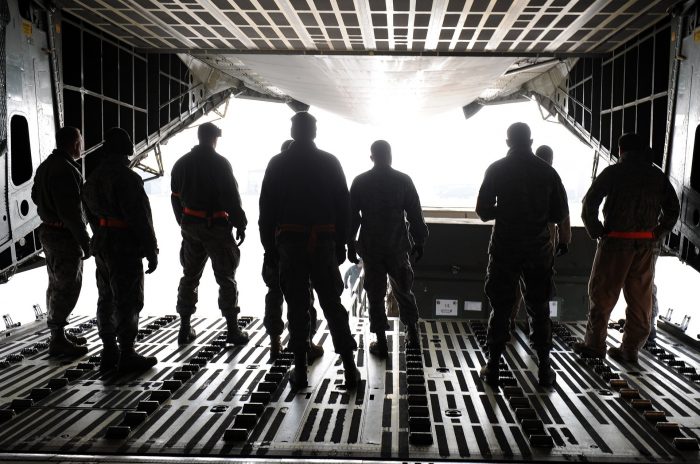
120 284
398 268
273 323
505 270
65 268
199 243
614 269
298 266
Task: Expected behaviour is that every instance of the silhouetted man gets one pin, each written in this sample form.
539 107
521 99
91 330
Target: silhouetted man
386 209
56 193
558 234
274 326
207 206
641 207
304 222
523 195
124 236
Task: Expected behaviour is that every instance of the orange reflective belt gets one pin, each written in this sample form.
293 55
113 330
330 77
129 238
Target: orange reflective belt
175 194
58 225
312 230
203 214
645 235
113 223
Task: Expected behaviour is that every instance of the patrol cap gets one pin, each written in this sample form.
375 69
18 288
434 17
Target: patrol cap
118 142
208 131
519 133
545 153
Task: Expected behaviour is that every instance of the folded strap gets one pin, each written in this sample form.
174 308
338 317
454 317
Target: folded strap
113 223
643 235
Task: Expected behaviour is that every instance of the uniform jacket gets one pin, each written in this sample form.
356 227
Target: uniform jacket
115 191
523 194
56 193
304 186
638 197
203 180
385 204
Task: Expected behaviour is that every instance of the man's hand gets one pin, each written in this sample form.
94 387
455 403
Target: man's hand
240 236
562 249
152 262
417 252
340 254
352 255
86 251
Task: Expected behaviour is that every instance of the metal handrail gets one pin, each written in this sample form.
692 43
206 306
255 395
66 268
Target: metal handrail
358 303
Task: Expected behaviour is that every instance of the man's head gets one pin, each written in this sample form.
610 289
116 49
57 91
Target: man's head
545 153
208 134
519 135
118 143
286 144
69 140
630 143
381 153
303 127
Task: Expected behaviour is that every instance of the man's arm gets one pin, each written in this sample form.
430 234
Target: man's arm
414 213
598 190
355 207
65 188
268 211
486 207
342 207
564 230
136 209
175 195
670 210
231 199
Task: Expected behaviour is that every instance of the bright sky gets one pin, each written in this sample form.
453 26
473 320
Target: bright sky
446 156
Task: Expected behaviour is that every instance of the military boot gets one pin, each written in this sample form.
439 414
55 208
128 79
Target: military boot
298 377
130 361
546 376
187 334
413 336
379 348
313 352
352 374
110 355
235 335
59 345
75 339
491 372
275 347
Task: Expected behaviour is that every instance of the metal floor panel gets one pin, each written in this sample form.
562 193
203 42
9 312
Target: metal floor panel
210 400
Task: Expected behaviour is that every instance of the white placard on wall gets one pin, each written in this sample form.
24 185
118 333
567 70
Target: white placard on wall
472 306
553 308
446 307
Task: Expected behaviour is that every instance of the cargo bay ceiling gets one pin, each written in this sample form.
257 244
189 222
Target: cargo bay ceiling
371 59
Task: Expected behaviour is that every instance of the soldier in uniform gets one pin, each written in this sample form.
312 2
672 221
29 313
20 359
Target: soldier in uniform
385 203
304 223
641 207
56 193
558 234
273 304
207 206
124 236
523 195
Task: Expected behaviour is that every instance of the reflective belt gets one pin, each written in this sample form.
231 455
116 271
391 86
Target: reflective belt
645 235
312 230
58 225
203 214
113 223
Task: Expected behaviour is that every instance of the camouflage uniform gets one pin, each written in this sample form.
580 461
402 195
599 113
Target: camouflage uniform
523 194
64 238
304 219
638 198
385 204
273 323
124 235
207 205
